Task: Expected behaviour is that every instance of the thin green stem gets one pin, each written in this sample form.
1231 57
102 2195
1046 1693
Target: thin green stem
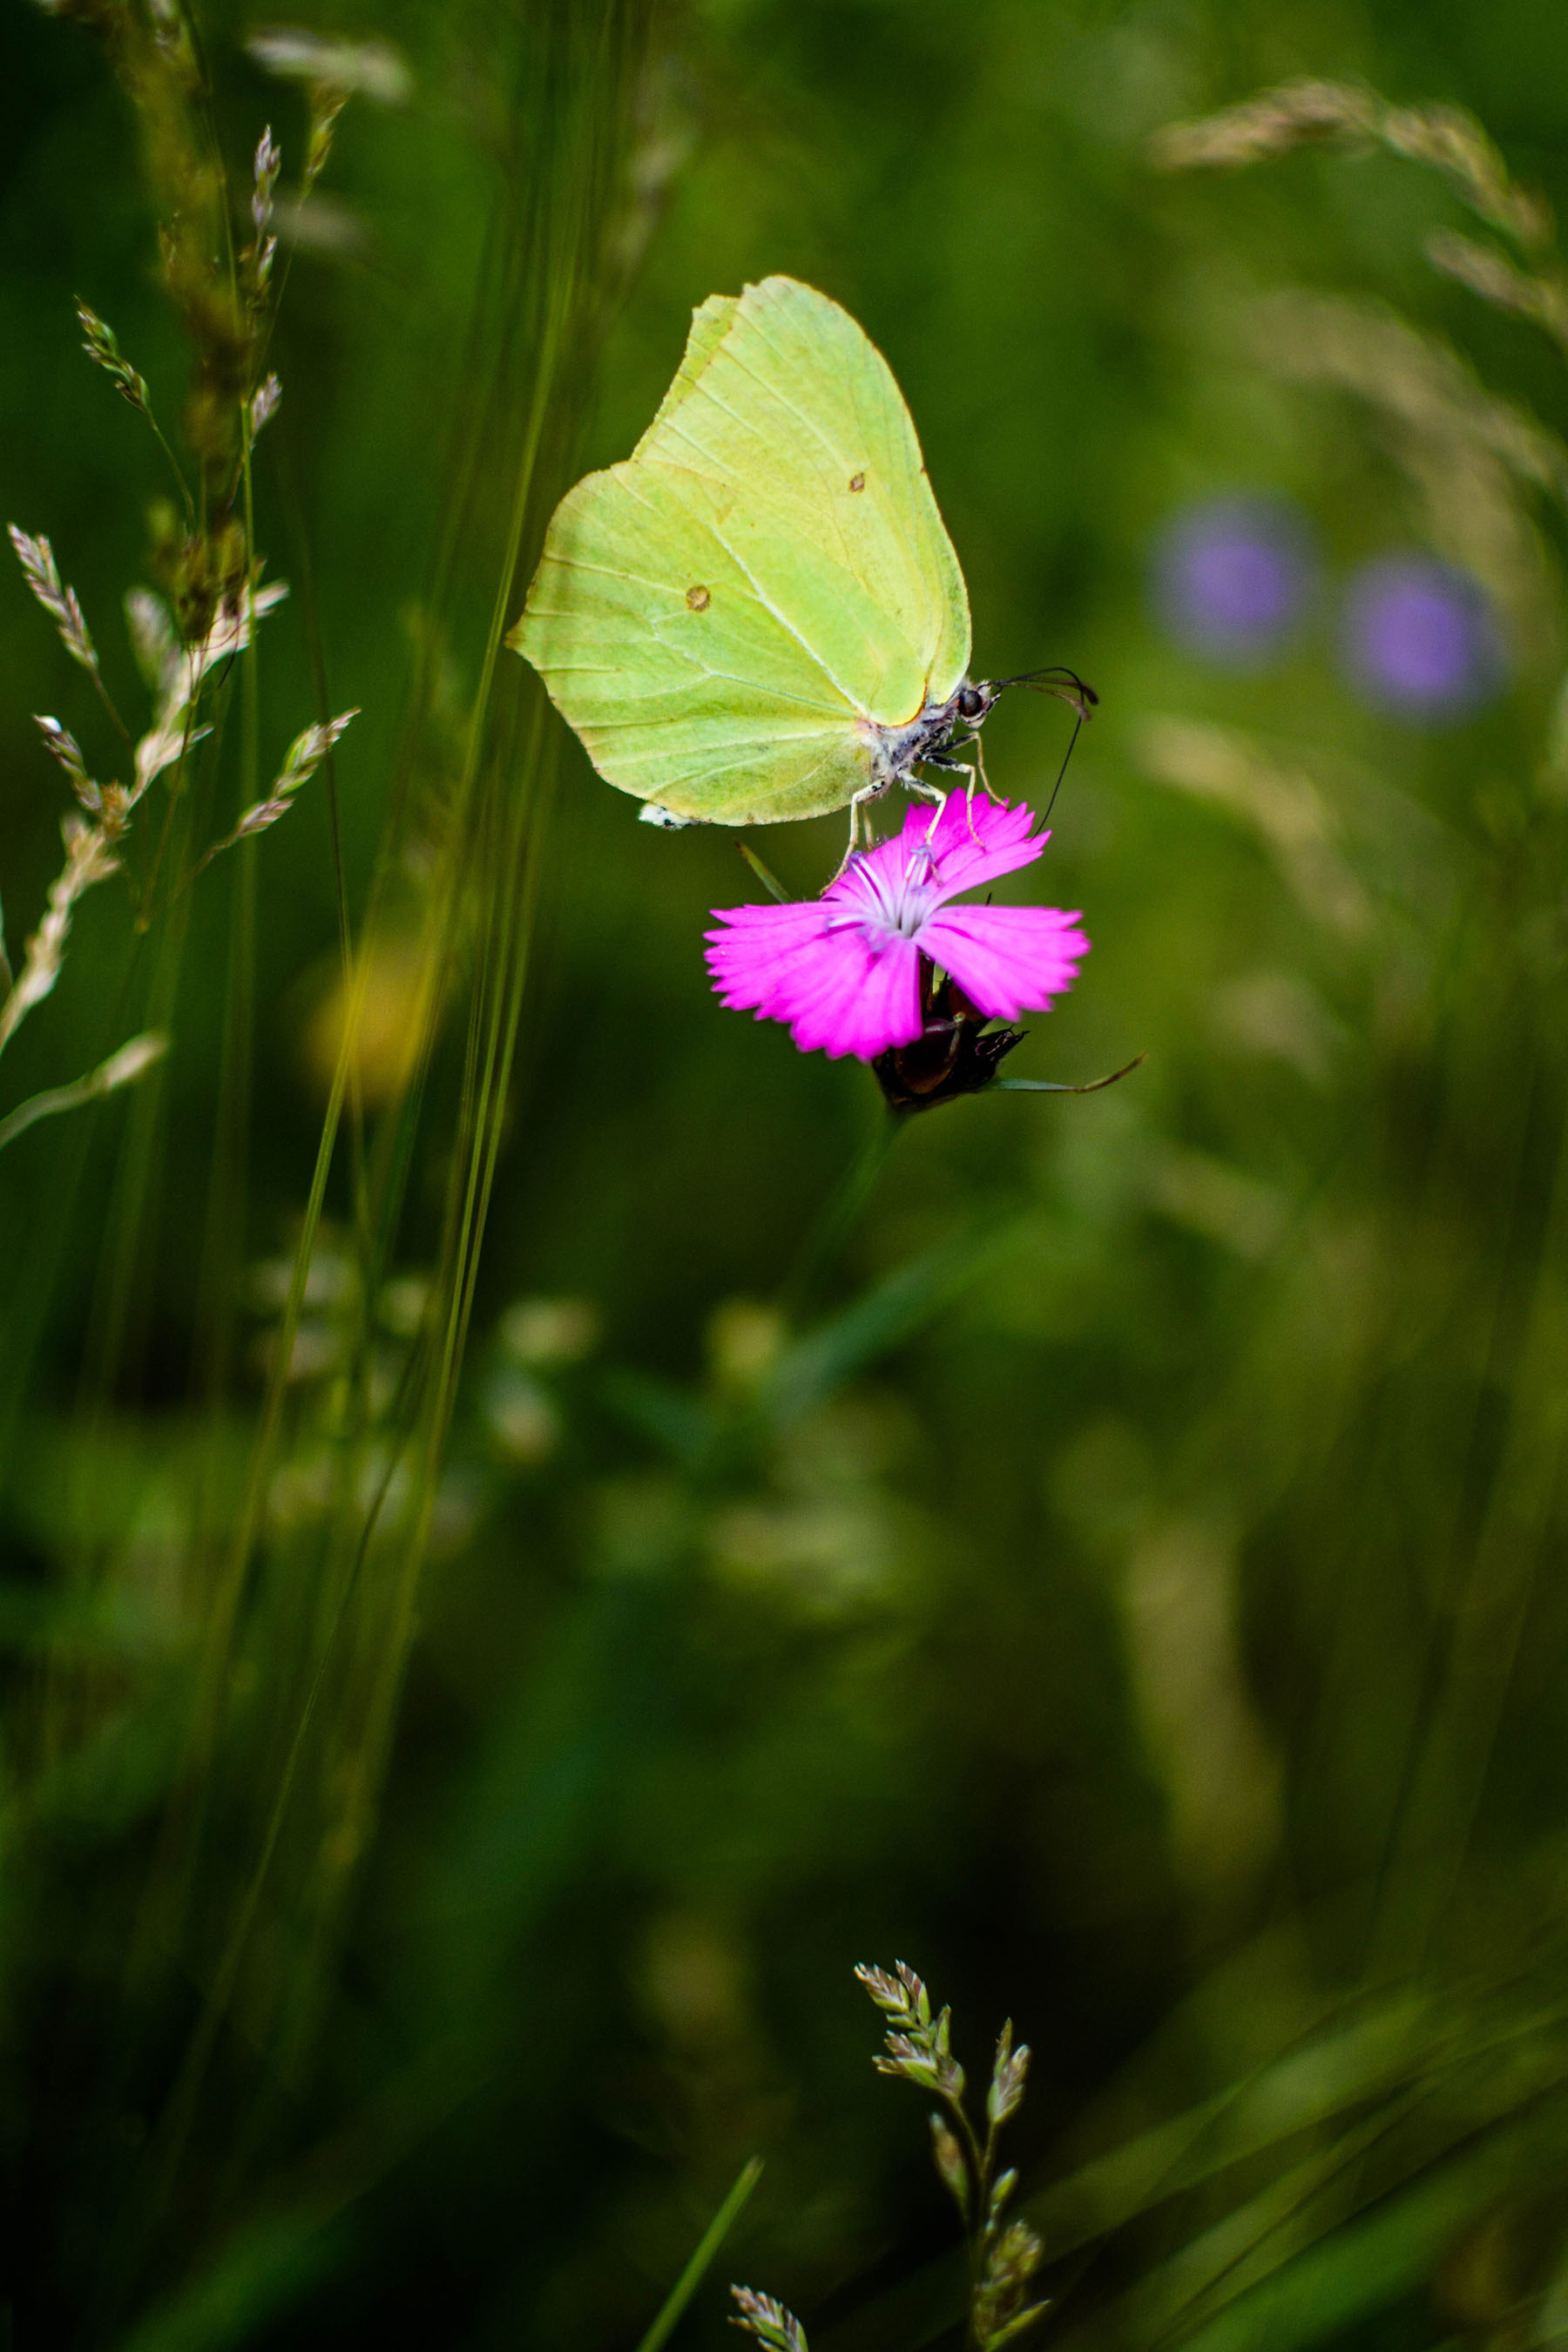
707 2246
108 701
764 874
1054 1086
840 1215
250 740
54 1099
146 909
174 466
977 2220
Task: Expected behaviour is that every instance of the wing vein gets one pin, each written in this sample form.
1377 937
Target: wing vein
785 623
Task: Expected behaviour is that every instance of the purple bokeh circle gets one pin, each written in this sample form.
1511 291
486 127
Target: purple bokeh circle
1420 638
1232 576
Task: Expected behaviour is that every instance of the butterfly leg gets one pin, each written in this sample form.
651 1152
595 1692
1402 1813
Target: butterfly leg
959 768
980 764
925 788
860 802
976 774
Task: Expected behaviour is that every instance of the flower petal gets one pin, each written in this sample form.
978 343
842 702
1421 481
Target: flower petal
843 971
840 990
973 839
835 983
1006 960
761 947
875 877
859 997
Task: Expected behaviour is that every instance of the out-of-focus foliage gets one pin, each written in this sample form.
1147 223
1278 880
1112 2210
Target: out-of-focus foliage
469 1709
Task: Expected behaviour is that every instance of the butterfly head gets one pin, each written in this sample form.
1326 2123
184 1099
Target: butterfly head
976 698
973 700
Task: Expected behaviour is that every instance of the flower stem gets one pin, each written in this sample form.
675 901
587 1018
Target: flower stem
982 2164
840 1215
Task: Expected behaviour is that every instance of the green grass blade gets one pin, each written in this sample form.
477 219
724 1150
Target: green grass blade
825 1358
707 2247
270 2266
1363 2267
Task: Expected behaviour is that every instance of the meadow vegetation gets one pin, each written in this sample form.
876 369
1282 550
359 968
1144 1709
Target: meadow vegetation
537 1532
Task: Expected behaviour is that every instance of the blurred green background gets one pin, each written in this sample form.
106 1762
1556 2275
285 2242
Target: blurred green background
1121 1575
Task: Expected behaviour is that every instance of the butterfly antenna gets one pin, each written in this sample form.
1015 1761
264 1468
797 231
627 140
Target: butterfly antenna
1068 687
1061 772
1064 684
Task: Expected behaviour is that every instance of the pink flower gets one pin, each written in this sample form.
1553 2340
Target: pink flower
844 971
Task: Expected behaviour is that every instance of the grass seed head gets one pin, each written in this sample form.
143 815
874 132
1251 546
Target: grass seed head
268 163
1000 2312
255 262
153 640
1294 114
98 340
372 69
89 859
37 557
1005 2096
264 402
951 2169
134 1058
767 2320
63 747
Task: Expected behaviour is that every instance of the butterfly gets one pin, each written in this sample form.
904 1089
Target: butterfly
759 614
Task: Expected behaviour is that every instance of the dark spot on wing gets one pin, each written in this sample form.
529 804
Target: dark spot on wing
699 598
857 481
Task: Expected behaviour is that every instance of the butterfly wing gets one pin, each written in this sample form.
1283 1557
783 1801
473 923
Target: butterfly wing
709 324
674 649
782 391
723 619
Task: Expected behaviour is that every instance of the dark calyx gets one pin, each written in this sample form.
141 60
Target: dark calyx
953 1054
